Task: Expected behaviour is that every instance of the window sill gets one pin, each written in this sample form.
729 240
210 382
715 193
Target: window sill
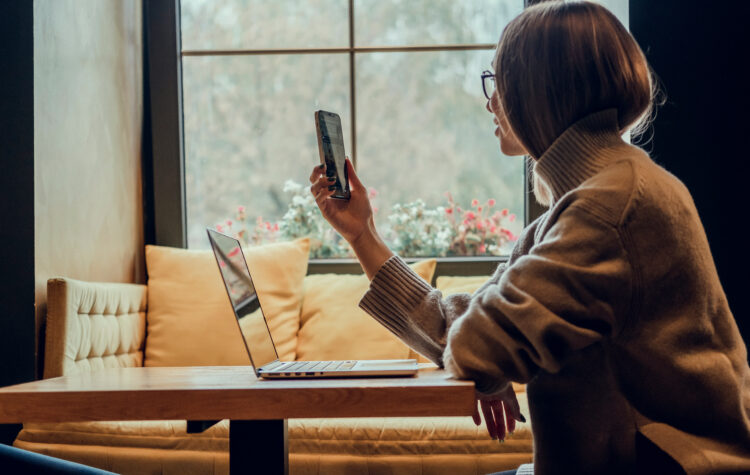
455 266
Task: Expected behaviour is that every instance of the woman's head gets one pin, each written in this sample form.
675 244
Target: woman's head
558 62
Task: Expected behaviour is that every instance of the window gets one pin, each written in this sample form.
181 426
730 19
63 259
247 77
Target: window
403 76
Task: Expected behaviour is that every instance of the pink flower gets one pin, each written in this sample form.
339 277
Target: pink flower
449 211
479 209
374 209
229 223
240 209
275 226
490 202
482 248
220 228
475 202
373 193
493 228
268 225
470 215
480 226
504 212
512 218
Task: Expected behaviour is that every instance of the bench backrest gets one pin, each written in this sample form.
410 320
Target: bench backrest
93 325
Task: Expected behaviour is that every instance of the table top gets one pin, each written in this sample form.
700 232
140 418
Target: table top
229 392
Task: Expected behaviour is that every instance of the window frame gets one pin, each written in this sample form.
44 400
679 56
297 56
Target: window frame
164 178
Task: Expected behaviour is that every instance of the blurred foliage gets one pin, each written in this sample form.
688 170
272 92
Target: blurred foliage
415 229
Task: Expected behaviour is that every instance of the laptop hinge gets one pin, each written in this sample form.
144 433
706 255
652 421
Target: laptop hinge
271 366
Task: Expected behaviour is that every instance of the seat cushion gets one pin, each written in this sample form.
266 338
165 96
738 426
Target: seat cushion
332 326
373 446
361 436
190 321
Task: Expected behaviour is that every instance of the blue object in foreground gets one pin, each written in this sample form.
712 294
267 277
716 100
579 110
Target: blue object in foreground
18 461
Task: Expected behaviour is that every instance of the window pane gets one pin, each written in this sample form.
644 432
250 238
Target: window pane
430 22
423 130
257 24
249 127
619 8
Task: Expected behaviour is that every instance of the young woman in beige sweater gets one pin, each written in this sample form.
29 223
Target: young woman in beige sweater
609 308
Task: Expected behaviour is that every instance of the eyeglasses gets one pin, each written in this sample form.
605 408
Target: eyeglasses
488 83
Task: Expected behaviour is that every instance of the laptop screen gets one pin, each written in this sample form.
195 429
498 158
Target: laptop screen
244 299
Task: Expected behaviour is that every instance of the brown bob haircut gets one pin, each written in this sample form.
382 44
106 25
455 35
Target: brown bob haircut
560 61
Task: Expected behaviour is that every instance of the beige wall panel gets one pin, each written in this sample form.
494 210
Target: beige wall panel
88 106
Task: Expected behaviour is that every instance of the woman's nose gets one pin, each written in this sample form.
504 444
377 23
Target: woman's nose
489 108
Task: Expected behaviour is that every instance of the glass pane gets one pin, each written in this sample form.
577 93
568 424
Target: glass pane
258 24
430 22
249 127
423 131
620 8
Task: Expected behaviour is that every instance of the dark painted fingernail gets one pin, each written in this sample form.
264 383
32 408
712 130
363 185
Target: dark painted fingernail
322 166
332 187
523 419
331 178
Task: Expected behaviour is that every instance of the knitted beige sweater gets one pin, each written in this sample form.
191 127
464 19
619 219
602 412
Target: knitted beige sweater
609 308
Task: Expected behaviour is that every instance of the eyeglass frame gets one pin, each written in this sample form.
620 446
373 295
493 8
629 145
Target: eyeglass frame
487 74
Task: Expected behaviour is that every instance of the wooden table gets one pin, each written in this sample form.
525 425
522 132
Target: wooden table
257 409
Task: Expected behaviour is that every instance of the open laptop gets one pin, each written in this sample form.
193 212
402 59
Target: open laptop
257 337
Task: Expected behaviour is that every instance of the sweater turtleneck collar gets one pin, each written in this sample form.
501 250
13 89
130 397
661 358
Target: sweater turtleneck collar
580 152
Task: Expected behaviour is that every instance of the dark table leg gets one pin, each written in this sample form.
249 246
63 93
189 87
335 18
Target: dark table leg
258 447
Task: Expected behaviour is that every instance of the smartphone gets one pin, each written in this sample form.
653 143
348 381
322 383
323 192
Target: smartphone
331 150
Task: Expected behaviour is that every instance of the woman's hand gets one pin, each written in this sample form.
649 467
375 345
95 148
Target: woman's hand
350 218
501 411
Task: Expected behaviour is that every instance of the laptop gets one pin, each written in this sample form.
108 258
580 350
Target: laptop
257 337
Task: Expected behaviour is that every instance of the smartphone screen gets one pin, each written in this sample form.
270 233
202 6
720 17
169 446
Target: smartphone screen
331 148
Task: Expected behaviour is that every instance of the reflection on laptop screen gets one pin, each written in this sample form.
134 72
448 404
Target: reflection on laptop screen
244 300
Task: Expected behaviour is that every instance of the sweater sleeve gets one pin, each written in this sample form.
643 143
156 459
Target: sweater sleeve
571 290
414 311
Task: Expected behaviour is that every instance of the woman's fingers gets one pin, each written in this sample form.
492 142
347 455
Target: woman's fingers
317 172
511 404
475 416
320 183
489 419
510 420
353 178
499 413
321 195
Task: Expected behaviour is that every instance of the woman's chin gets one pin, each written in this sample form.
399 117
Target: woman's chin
510 150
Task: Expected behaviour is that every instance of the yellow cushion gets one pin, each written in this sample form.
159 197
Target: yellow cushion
458 284
332 326
190 321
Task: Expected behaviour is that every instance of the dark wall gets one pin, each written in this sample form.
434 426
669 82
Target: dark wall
699 51
17 359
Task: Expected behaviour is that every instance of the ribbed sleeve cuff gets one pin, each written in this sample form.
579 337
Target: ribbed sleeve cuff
395 293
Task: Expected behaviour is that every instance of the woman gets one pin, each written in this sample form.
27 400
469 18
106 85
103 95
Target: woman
609 308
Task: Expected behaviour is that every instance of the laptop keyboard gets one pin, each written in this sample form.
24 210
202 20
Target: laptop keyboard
299 366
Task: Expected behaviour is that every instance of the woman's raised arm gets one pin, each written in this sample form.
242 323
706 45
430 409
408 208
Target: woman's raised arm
353 219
